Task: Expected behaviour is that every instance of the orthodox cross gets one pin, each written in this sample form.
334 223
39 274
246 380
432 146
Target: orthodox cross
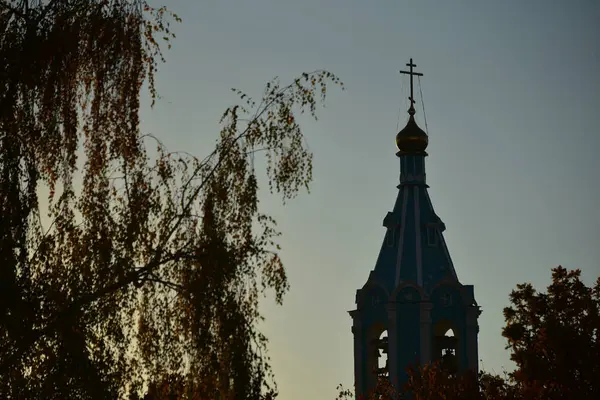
411 73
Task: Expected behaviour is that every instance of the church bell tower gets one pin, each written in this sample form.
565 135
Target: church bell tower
412 309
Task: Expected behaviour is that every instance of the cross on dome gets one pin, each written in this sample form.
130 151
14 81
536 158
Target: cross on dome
412 139
410 72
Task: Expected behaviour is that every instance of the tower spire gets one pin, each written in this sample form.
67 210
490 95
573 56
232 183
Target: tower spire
412 298
410 72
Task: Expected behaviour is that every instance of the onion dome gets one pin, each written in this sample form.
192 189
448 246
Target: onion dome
412 139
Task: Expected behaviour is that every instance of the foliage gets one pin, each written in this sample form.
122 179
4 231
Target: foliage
383 390
432 382
150 271
554 338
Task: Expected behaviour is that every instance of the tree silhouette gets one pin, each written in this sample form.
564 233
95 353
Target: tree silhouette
554 338
149 273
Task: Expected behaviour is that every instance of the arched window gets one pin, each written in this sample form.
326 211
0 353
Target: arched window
445 348
382 354
448 354
451 345
377 355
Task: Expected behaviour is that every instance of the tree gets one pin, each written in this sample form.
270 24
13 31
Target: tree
554 338
433 382
150 271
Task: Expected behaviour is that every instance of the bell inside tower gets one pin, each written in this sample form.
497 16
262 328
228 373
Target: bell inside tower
446 349
376 361
381 349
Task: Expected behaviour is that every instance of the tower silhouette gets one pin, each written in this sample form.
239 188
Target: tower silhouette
412 309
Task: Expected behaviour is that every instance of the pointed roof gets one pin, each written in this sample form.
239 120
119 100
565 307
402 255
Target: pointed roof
414 249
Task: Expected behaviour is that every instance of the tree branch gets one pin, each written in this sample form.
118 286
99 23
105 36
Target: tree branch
173 285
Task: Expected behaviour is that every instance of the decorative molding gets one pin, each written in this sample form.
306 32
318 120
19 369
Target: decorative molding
389 220
359 360
401 239
410 178
448 283
471 338
391 308
407 284
425 332
419 248
356 320
425 309
373 283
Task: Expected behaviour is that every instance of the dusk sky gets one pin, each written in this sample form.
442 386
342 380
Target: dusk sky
512 99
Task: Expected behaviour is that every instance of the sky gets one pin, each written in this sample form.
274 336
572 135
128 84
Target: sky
512 99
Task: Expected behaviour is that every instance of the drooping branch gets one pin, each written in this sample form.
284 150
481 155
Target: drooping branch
173 241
